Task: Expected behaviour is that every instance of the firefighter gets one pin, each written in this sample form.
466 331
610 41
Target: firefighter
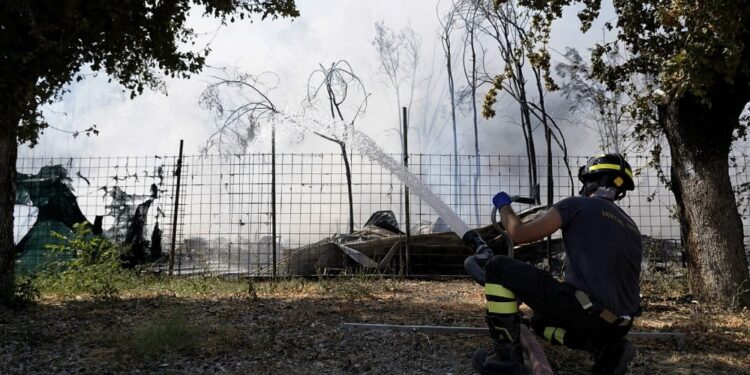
594 308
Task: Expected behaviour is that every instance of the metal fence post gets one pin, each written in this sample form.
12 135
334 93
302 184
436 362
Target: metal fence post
550 192
273 197
406 192
178 174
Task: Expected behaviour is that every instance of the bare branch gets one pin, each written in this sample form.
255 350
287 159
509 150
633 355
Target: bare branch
238 123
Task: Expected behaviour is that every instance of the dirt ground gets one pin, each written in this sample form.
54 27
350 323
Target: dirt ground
293 327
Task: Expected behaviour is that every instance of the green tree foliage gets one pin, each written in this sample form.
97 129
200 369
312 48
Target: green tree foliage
46 44
694 57
685 47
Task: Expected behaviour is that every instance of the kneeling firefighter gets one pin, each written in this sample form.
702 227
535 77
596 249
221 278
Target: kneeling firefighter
594 308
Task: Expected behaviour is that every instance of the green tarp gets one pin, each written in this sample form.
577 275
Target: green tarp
35 255
50 192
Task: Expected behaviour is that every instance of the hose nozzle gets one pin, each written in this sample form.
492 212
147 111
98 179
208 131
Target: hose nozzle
475 241
474 265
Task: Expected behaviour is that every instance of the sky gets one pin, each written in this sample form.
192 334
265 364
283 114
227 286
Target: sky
327 31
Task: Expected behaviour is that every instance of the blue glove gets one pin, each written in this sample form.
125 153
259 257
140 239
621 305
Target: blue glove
501 200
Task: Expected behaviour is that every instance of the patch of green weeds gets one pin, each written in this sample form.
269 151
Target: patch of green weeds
26 292
282 286
159 337
188 286
94 270
361 285
174 335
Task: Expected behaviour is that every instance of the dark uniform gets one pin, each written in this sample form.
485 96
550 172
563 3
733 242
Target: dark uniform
593 309
603 249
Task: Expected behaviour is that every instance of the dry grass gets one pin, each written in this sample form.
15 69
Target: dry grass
293 327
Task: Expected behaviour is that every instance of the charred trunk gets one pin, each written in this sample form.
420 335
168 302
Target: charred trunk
348 186
700 136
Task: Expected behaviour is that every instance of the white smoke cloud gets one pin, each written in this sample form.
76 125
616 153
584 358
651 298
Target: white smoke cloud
327 31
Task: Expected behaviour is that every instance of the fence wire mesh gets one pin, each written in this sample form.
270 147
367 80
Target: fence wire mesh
225 216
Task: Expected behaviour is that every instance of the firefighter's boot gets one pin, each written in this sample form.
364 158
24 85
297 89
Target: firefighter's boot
506 355
613 358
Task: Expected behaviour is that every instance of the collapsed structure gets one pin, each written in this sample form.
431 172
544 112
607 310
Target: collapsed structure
381 246
51 193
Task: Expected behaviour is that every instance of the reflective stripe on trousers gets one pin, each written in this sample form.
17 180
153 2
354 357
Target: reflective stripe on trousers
554 335
500 300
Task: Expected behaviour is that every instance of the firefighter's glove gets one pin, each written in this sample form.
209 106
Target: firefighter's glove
501 200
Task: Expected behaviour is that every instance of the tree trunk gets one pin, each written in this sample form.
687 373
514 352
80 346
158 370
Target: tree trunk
8 155
452 92
528 131
700 137
348 185
473 85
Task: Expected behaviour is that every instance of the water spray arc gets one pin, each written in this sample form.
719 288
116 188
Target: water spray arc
370 149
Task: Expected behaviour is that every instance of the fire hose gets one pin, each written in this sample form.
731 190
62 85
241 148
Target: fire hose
474 266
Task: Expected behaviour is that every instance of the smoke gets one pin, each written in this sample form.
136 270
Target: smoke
326 32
